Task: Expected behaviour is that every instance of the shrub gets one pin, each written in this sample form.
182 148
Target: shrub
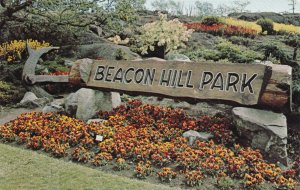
293 40
9 93
121 54
236 54
211 55
210 20
167 35
266 25
274 50
240 40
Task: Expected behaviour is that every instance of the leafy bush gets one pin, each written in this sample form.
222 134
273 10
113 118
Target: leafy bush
240 40
211 20
266 25
293 40
167 35
9 93
121 54
236 54
274 50
212 55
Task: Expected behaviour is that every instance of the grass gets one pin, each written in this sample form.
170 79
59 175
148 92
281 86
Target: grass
25 169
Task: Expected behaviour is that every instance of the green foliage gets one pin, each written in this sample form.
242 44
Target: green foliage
193 53
293 40
240 41
163 34
122 14
212 55
266 25
296 85
236 54
54 66
8 93
274 50
210 20
225 183
121 55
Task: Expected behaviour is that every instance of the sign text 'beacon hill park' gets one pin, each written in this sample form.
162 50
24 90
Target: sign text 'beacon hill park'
233 82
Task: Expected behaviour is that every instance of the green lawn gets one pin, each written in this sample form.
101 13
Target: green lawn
25 169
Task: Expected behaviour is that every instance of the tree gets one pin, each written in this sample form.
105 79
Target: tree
293 5
240 5
9 8
170 6
222 10
204 8
189 10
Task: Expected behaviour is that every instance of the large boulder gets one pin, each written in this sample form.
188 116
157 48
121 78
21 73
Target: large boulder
177 57
264 130
30 100
85 103
105 50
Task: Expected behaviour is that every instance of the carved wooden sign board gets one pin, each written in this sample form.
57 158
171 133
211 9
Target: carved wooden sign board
248 84
233 82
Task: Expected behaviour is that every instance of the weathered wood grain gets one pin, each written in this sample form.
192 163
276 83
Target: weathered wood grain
193 76
31 62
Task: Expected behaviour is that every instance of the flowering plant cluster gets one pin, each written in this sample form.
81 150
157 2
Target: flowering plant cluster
13 50
150 136
121 164
143 169
222 29
166 175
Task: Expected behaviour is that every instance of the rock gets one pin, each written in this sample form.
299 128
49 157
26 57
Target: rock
104 51
90 37
53 108
193 135
59 102
85 103
154 59
39 92
29 96
68 63
264 130
31 101
101 121
177 57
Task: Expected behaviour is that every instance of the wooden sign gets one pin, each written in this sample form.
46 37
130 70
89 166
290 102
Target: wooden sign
248 84
233 82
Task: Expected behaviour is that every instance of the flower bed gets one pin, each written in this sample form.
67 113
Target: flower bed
223 29
151 137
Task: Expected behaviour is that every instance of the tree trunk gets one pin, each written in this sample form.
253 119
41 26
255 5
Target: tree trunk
295 53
